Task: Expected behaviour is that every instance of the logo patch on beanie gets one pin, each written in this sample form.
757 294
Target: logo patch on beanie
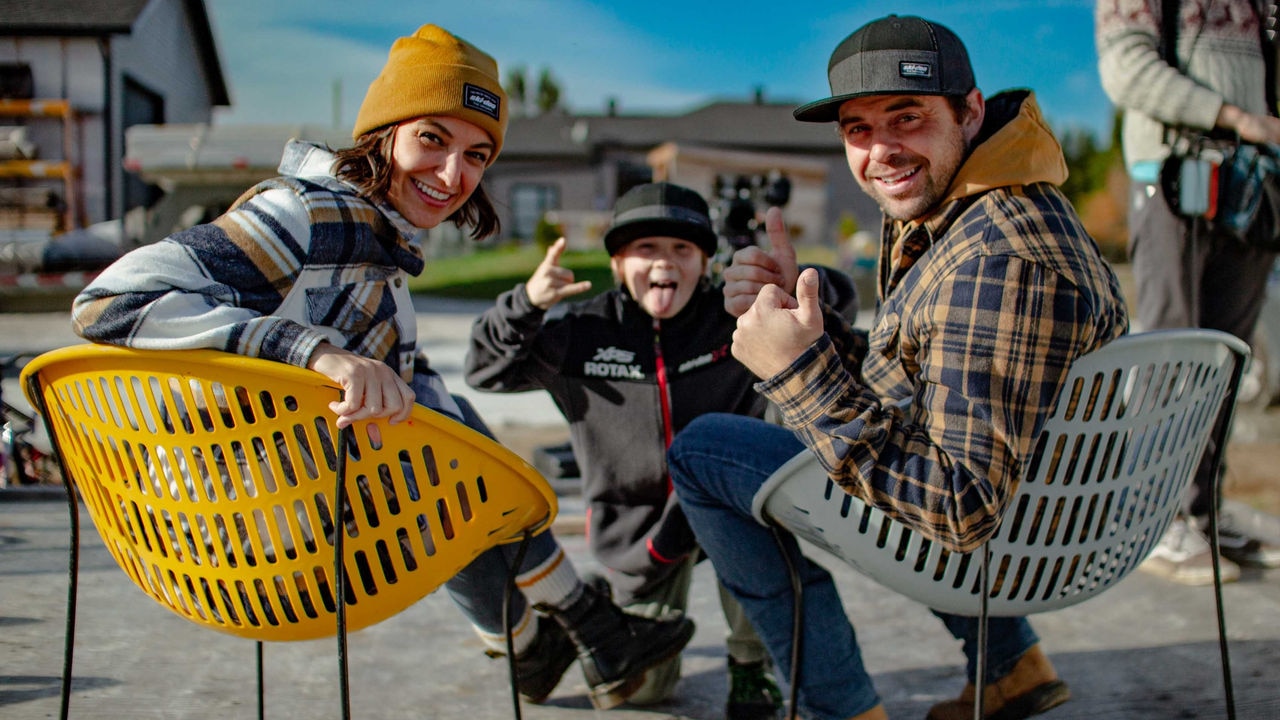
915 69
481 100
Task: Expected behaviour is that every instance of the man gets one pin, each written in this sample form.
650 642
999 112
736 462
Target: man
989 289
1188 274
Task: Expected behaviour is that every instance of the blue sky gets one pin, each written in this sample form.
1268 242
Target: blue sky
284 58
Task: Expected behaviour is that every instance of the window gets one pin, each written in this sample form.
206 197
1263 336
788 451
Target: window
528 203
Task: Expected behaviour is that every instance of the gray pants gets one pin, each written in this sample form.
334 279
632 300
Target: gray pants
1188 276
673 594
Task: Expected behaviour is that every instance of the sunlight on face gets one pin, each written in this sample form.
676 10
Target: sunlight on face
661 273
437 162
904 150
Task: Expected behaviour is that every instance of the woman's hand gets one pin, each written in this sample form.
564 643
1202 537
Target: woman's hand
370 389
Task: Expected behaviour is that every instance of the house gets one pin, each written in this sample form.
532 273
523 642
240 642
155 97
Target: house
575 166
74 75
560 167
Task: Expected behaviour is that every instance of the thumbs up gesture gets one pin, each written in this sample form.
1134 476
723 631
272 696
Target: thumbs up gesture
778 328
753 268
550 283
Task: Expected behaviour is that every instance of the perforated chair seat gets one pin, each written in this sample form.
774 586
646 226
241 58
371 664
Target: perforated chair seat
1107 477
211 477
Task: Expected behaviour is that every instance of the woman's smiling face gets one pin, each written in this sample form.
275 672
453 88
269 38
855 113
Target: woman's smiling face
661 273
436 163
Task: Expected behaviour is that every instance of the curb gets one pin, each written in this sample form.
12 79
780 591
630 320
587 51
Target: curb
29 493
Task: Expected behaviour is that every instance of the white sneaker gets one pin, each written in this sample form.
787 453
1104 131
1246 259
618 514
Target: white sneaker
1183 555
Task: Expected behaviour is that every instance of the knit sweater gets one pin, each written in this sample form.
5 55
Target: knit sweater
1219 60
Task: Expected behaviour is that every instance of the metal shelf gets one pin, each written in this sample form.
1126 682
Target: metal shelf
64 169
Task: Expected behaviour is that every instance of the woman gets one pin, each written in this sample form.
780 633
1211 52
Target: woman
309 269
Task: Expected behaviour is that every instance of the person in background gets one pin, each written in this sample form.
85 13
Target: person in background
1219 85
309 269
989 289
629 368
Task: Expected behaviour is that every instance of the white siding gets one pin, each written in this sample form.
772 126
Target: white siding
160 54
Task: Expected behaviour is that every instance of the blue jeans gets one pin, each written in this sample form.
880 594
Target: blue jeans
478 588
718 462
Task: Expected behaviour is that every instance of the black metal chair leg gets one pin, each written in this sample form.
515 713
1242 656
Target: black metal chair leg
73 562
980 674
797 620
345 438
1222 618
1218 448
509 590
262 705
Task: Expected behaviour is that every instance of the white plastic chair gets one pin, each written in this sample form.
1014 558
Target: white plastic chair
1107 477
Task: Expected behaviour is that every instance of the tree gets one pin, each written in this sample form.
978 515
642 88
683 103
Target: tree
1089 165
516 89
548 92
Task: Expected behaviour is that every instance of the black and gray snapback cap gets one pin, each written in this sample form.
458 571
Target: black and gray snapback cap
893 56
661 209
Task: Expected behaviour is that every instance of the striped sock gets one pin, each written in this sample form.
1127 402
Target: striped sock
553 582
522 635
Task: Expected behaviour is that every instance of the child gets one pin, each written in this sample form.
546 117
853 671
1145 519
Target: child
628 369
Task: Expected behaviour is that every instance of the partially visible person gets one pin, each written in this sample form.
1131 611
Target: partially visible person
628 369
989 289
309 269
1219 86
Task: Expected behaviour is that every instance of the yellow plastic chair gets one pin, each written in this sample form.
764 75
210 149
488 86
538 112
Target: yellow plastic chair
1107 477
212 478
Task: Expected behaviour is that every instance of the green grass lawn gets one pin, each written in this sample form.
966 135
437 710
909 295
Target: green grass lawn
485 274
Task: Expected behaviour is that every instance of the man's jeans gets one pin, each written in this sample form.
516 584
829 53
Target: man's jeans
718 462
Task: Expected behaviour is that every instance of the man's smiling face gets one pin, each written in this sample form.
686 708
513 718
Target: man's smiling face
904 150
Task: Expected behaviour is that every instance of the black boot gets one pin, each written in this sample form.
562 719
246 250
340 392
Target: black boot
540 667
616 647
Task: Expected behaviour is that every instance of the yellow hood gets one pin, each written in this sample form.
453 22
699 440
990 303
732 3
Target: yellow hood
1021 150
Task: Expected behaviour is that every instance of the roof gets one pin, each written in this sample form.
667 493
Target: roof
95 18
721 124
70 17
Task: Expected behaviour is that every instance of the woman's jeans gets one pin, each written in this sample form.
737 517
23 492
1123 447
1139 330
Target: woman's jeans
478 588
717 463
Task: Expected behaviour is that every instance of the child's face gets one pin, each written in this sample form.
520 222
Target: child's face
436 163
661 273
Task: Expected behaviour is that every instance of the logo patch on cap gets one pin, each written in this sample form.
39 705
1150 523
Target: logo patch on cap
481 100
909 69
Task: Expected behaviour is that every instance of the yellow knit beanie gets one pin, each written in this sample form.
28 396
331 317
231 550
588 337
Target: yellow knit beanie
432 72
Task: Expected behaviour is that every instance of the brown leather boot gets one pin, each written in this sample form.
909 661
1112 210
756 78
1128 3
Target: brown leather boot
1030 689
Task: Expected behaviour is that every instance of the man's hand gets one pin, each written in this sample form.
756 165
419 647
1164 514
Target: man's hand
370 389
779 328
551 283
753 268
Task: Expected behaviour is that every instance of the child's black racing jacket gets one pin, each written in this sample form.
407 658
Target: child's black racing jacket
627 383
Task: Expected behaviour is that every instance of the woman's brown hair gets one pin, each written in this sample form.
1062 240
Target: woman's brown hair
367 165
